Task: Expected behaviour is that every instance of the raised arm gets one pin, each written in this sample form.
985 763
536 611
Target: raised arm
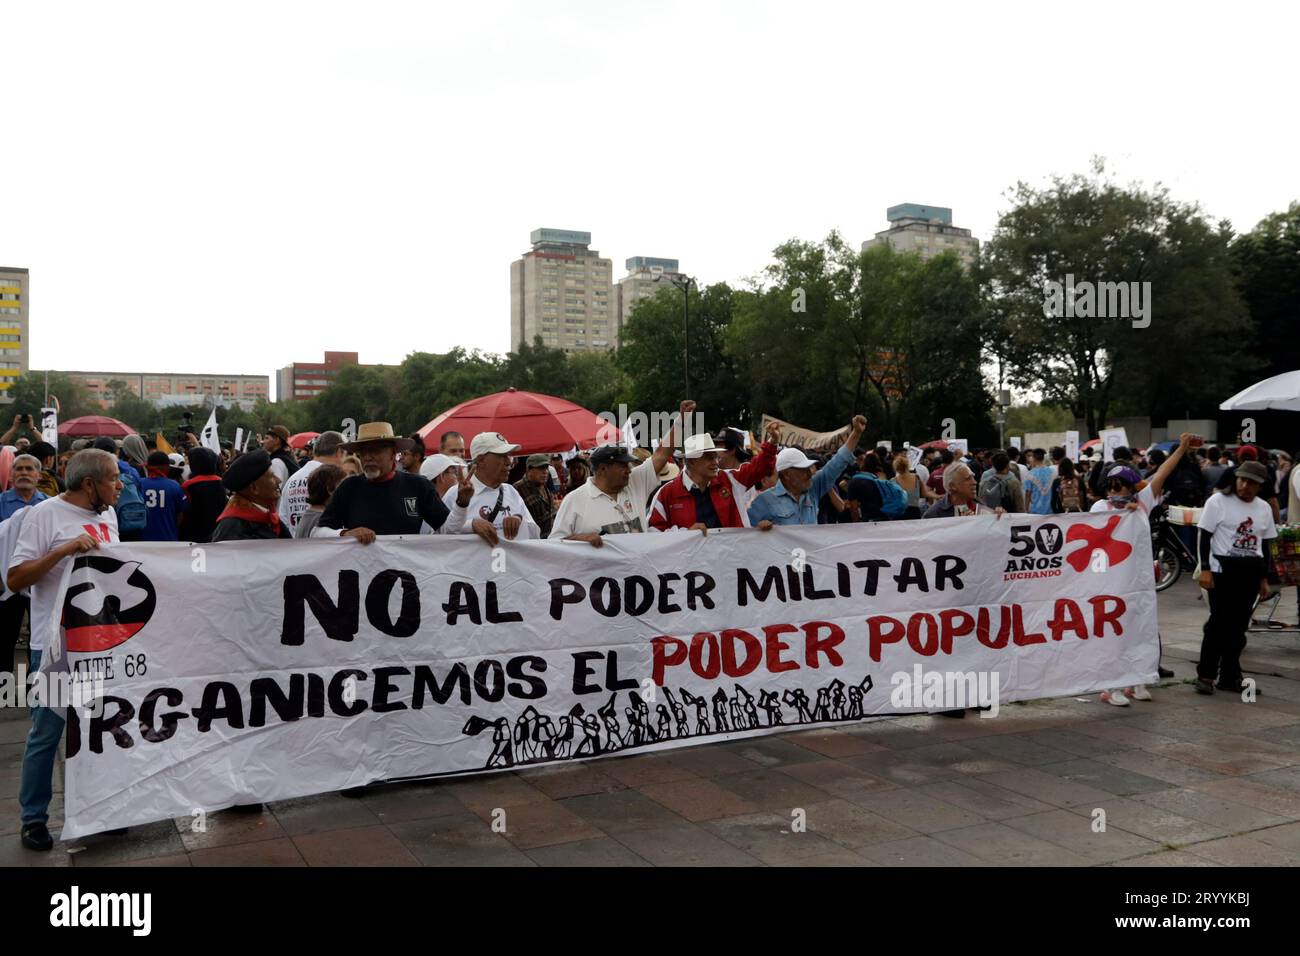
664 453
1165 470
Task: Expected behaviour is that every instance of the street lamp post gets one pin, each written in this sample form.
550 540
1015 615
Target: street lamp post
683 282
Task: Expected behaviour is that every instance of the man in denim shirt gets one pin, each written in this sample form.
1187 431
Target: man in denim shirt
797 492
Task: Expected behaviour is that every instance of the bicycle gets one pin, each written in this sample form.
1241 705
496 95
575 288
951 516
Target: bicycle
1172 556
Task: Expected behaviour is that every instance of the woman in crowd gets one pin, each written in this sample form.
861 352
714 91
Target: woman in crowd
911 484
206 496
1069 490
351 466
320 488
578 473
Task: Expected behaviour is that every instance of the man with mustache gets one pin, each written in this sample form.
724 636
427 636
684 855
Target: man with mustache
384 499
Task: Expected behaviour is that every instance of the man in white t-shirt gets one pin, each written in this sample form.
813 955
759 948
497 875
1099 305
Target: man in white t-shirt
484 502
1234 562
328 450
614 499
58 529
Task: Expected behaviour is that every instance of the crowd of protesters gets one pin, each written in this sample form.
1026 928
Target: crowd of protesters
53 507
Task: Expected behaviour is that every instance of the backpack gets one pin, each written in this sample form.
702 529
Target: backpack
131 512
1068 492
893 499
995 491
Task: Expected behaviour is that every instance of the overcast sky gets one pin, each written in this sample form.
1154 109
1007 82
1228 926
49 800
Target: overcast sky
231 187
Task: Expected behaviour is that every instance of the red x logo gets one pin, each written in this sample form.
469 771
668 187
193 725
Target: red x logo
1098 539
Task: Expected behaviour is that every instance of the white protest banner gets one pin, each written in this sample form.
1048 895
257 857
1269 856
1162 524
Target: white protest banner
50 426
1072 445
1014 441
341 664
208 439
1111 438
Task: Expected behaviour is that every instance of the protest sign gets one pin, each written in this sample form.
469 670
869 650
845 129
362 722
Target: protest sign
242 672
1111 438
50 426
1072 445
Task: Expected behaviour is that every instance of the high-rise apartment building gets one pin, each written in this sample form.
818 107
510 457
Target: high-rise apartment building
13 328
927 230
563 291
646 275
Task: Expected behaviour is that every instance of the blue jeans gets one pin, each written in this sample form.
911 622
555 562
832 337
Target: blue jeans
37 785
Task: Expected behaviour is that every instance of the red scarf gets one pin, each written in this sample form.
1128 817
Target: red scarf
159 471
236 509
198 478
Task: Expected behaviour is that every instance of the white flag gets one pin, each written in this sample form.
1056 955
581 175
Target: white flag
209 437
239 438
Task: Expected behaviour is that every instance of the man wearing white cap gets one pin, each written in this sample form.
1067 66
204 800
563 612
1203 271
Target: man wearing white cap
795 496
493 503
445 471
705 496
613 499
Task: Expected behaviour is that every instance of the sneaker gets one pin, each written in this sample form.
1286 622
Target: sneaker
36 836
1115 697
1164 672
1139 692
1204 686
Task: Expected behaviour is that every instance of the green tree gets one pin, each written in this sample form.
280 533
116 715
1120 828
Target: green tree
597 381
1096 231
1038 417
652 361
836 332
363 393
1267 261
126 406
29 393
428 384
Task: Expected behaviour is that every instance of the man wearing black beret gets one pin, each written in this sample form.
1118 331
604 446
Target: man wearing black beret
254 493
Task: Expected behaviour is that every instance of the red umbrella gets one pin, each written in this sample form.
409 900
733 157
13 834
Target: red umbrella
301 439
92 426
539 423
938 443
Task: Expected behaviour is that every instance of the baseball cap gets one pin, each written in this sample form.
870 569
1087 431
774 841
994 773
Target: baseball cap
491 443
538 461
435 465
792 458
1252 471
697 446
611 454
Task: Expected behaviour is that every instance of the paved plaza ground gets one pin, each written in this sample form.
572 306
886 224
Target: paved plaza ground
1183 781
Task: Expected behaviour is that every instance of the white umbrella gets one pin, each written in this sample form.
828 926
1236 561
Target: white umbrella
1280 393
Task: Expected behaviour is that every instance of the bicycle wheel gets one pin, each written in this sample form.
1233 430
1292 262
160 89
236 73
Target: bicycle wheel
1168 567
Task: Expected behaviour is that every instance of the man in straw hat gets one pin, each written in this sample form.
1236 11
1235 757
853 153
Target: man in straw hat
383 499
613 499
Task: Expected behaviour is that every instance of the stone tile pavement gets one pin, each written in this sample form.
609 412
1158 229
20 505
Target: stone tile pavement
1182 781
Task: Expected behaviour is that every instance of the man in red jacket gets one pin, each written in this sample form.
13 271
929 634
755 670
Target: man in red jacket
704 496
